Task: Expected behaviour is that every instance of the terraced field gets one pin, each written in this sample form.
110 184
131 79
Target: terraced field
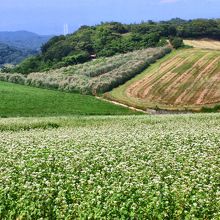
185 79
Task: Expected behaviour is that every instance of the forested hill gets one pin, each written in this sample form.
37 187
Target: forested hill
110 38
13 55
23 39
19 45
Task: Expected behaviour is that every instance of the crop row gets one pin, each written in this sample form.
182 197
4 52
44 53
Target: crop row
184 80
93 77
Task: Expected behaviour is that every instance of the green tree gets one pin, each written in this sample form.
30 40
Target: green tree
176 42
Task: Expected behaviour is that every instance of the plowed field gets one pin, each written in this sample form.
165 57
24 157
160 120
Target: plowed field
204 44
185 79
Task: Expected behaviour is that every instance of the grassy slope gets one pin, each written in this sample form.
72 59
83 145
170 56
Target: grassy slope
119 94
18 100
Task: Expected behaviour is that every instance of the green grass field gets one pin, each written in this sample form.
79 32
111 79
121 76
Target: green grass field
110 167
21 101
185 79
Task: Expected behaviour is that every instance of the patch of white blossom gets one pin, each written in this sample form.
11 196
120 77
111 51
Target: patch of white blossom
113 168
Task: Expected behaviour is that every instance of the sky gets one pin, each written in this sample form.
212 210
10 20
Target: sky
49 16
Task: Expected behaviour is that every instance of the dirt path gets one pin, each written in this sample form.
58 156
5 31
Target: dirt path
148 111
123 105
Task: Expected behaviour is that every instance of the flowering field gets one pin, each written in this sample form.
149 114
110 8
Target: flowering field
116 167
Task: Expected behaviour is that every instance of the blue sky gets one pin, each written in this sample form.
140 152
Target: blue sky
49 16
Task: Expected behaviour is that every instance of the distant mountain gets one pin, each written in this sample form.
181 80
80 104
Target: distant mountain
13 55
18 45
23 39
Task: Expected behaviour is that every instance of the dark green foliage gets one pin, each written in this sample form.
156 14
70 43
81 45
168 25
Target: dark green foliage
162 42
108 39
52 41
61 50
19 45
176 42
103 40
13 55
93 77
77 58
116 27
216 108
23 101
200 28
150 40
31 64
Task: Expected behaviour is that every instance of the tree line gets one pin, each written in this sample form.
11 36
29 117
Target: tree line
110 38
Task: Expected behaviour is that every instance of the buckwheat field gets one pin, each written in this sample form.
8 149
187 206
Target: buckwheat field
116 167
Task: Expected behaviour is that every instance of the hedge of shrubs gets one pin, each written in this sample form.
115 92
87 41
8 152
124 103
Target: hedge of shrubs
97 76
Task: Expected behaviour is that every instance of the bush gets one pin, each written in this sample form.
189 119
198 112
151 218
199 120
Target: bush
4 76
216 108
17 78
176 42
13 78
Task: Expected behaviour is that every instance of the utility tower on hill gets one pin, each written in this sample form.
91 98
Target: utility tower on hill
65 29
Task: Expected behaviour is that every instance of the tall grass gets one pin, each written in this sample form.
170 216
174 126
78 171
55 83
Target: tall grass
93 77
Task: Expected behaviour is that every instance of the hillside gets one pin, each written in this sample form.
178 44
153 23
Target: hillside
186 79
94 77
108 39
19 45
13 55
24 101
